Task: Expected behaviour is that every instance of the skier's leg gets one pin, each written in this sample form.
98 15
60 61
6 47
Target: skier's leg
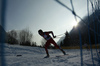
55 44
46 46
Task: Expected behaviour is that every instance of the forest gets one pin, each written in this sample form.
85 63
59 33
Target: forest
89 31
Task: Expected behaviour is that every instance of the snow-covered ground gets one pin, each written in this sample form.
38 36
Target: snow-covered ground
33 56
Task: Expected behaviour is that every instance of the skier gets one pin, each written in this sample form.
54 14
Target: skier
49 39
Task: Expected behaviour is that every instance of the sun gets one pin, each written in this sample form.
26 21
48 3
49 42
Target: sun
75 24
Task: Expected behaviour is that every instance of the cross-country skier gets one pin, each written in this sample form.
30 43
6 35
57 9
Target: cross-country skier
49 39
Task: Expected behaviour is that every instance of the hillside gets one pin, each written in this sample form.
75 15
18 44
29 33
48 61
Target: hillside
83 27
93 24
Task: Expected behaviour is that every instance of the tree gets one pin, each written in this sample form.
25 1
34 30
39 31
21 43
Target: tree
66 41
34 44
25 37
12 37
13 33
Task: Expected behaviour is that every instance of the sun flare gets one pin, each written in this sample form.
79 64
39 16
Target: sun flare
75 24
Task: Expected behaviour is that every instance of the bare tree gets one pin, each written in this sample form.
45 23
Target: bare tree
12 37
25 36
13 33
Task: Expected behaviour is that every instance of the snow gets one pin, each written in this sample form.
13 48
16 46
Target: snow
33 56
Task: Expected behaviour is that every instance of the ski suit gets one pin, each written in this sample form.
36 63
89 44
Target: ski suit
49 39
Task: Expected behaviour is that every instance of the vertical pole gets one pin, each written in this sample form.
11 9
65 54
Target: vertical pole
81 53
89 32
95 37
2 34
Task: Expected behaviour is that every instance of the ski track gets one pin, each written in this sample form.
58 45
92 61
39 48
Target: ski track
33 56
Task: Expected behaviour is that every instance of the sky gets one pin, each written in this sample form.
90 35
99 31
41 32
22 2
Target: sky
47 15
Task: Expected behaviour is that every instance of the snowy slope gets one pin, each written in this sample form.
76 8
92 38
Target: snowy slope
33 56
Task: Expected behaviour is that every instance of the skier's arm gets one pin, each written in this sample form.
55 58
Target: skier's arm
52 34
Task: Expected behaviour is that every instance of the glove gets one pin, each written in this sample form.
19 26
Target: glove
54 37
